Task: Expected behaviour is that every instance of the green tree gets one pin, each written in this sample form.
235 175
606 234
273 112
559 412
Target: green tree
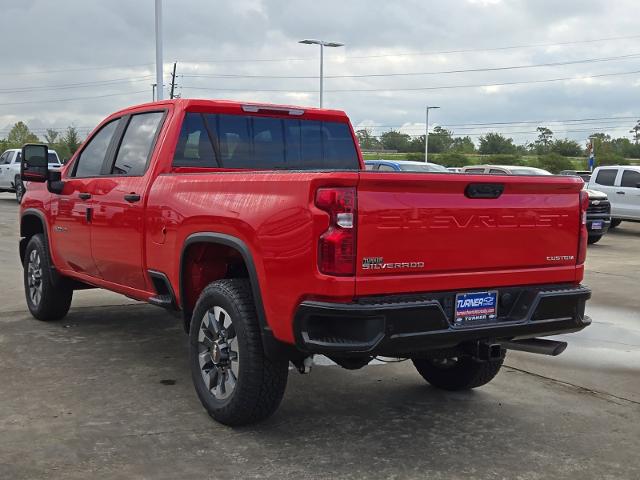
19 135
417 145
554 162
367 140
453 159
543 142
51 136
566 147
394 140
440 140
493 143
609 157
463 145
636 132
71 140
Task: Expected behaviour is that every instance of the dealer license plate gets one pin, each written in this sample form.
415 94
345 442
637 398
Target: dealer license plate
596 225
476 307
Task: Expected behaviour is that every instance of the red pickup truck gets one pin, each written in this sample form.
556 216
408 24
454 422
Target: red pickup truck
261 226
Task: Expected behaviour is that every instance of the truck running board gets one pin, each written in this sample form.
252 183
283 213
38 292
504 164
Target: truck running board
536 345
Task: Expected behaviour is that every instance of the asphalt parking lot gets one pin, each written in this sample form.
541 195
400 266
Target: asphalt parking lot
106 393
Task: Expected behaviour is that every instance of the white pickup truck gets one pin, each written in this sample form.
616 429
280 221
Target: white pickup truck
622 186
10 170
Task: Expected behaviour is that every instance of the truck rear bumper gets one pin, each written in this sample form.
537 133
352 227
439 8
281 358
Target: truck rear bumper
401 325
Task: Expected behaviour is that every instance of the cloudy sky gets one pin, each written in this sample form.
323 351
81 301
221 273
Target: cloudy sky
75 61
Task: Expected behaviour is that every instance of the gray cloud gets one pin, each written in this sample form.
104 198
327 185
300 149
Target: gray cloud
208 37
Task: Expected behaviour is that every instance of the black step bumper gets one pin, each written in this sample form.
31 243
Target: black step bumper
401 325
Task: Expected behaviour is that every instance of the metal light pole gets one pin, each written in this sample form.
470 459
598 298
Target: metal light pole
426 136
322 44
159 48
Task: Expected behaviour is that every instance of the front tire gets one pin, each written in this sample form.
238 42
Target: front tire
594 239
457 373
19 188
235 381
46 301
615 222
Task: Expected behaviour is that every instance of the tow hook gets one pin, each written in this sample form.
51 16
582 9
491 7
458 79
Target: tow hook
485 351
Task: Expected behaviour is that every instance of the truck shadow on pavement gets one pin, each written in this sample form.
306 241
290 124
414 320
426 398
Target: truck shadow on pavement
110 388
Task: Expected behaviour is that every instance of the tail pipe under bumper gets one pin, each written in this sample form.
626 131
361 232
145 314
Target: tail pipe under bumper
536 345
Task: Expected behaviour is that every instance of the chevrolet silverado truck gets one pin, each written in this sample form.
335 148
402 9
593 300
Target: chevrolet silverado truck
261 226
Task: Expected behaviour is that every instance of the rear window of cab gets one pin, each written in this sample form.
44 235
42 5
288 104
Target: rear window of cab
264 143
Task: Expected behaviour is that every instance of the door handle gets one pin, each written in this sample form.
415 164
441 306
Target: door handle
84 196
132 197
620 193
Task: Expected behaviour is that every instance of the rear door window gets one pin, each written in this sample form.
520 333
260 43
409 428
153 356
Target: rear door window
474 170
607 177
93 155
137 142
630 178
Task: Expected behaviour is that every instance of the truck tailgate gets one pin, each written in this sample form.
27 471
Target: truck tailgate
422 232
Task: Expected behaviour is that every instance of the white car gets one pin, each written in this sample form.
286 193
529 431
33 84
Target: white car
622 186
10 170
504 170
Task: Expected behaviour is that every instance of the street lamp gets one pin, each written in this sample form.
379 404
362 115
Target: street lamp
322 44
159 48
426 136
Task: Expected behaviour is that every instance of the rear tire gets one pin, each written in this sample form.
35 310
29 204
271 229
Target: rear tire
235 381
615 222
594 239
457 373
46 301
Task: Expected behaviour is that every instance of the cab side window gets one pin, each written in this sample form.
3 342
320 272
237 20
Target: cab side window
386 168
5 159
89 164
607 177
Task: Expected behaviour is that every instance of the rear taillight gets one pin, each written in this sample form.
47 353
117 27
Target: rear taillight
337 245
584 235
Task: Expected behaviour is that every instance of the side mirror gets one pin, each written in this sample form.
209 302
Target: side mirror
34 166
